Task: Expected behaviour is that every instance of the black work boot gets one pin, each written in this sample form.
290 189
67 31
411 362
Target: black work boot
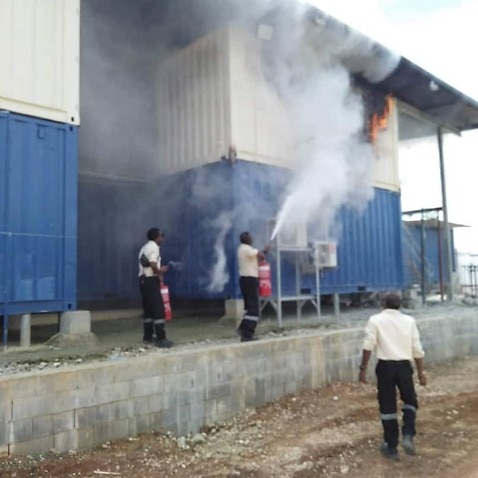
161 340
408 445
148 331
389 452
163 344
247 329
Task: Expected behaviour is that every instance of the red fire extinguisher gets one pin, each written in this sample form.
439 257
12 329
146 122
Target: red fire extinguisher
167 304
265 285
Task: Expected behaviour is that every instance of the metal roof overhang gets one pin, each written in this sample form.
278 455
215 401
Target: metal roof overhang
432 223
426 102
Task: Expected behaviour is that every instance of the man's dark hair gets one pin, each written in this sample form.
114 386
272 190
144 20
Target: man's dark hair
244 237
392 301
154 233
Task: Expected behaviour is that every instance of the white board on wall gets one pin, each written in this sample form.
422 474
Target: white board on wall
39 58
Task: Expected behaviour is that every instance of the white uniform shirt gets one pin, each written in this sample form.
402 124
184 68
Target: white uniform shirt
151 251
395 335
247 259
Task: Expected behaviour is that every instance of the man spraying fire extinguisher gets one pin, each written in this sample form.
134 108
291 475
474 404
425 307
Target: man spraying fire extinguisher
248 258
150 277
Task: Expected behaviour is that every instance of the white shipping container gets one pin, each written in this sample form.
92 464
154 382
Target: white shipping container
39 58
193 104
386 151
261 128
211 96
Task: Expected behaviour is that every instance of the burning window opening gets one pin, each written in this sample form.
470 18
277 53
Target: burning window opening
378 108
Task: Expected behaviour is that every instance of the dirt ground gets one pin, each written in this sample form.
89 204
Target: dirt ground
330 432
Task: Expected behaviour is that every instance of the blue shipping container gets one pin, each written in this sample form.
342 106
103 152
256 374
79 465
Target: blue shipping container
202 208
38 215
369 245
113 217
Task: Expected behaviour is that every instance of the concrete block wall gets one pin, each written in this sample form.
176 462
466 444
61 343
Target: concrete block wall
181 390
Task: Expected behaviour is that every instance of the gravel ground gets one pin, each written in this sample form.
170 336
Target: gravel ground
118 338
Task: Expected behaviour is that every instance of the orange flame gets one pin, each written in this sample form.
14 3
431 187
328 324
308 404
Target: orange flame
379 121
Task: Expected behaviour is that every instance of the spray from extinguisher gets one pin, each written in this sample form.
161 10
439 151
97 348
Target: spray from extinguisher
166 302
265 283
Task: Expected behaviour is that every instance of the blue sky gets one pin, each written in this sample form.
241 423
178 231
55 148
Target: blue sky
440 36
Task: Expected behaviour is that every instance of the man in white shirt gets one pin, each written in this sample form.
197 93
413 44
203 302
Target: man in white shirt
248 258
396 339
150 276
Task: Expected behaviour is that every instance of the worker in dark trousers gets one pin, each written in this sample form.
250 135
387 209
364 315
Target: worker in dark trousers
396 339
150 276
248 258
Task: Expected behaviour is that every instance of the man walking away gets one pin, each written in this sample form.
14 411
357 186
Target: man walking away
396 339
248 259
150 277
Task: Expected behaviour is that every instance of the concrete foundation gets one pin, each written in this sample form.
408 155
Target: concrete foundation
180 390
75 322
234 309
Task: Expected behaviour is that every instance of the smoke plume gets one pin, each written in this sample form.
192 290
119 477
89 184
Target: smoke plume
219 275
311 68
308 62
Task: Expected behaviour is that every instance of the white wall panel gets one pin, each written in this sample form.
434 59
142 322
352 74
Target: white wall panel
39 58
261 129
386 150
213 95
193 104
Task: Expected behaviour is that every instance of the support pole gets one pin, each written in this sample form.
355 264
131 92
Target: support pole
25 330
423 258
279 287
446 225
5 327
317 285
440 259
297 288
336 305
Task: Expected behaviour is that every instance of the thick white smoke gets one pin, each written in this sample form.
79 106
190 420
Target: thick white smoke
335 163
310 62
218 274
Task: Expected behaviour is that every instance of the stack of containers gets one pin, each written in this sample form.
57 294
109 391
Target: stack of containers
39 119
226 143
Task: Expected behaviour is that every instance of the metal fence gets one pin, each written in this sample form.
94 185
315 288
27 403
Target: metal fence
468 270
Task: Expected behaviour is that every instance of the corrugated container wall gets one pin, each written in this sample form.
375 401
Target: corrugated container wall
212 96
261 125
38 204
221 77
39 58
193 103
203 211
113 217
